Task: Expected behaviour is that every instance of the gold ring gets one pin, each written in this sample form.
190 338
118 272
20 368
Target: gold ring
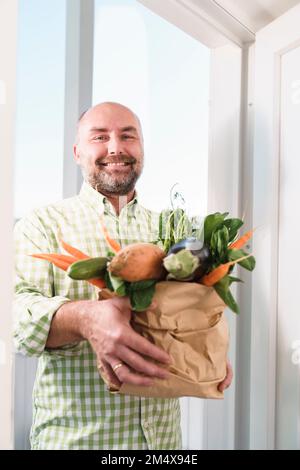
120 364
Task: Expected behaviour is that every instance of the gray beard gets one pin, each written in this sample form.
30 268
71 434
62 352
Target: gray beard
104 183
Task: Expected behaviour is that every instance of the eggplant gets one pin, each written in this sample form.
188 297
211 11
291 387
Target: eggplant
191 243
204 260
182 266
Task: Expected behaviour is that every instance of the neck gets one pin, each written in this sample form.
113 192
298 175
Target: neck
117 201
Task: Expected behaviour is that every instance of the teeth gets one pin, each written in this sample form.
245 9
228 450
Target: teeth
115 164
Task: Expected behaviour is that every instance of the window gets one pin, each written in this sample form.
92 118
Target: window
162 74
40 104
38 176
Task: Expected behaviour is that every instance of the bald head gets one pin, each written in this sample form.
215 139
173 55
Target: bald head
108 109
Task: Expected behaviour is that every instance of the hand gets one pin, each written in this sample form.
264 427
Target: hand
228 379
107 327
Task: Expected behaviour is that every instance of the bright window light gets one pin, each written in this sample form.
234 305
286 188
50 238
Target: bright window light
162 74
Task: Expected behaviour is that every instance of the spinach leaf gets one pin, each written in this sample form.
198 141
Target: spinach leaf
140 285
234 279
219 245
108 281
233 226
141 299
248 263
222 289
211 223
223 236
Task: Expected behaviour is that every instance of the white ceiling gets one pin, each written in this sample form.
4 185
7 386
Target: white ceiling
255 14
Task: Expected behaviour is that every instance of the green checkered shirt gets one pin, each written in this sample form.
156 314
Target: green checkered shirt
72 408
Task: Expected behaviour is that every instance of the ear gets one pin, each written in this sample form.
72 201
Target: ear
76 153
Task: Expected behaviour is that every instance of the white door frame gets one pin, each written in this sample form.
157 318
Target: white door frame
272 42
8 48
226 423
211 25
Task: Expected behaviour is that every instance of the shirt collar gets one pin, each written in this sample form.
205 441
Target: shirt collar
100 202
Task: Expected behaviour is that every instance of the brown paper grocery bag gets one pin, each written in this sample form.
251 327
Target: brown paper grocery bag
186 320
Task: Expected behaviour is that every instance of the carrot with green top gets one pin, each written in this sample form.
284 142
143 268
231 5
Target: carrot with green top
111 243
73 251
242 241
218 273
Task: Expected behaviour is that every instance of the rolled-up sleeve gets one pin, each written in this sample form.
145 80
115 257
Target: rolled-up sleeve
35 302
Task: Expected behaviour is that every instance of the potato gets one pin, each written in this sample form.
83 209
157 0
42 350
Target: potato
138 262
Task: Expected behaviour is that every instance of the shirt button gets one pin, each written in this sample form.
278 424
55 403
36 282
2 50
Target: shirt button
146 425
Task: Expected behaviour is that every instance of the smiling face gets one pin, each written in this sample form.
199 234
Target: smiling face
109 148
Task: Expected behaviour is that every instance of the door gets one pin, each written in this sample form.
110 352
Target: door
275 394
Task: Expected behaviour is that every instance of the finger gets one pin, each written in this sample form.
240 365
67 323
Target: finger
223 385
108 375
230 374
145 347
139 364
153 305
125 375
228 379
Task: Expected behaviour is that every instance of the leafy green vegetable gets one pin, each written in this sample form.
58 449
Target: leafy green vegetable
219 245
174 225
115 284
248 263
110 254
211 223
141 285
233 226
140 292
234 279
222 289
141 297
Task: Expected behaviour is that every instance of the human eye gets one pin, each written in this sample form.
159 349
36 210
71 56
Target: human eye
127 136
100 138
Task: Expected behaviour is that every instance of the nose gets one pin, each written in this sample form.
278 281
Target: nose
114 147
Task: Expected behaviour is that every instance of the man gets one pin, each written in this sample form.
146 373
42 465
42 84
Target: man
61 321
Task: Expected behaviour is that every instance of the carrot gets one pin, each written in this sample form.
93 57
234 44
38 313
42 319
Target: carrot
242 241
73 251
61 261
218 273
111 243
97 282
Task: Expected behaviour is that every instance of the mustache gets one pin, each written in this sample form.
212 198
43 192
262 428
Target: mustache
101 161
